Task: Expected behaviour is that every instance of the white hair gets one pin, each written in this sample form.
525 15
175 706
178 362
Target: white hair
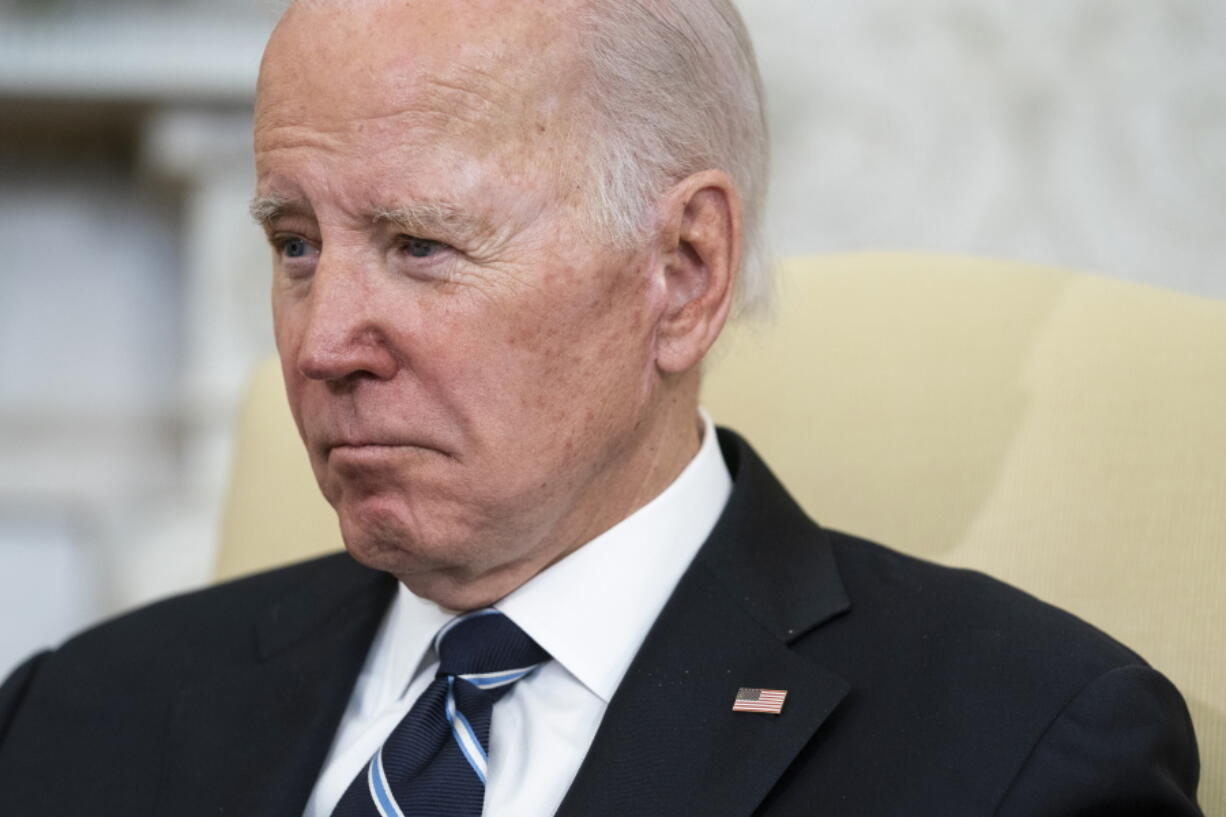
675 90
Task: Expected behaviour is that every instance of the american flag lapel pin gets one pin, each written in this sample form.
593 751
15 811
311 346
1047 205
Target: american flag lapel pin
752 699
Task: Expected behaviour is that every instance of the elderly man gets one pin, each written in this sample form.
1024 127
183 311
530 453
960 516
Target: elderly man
506 233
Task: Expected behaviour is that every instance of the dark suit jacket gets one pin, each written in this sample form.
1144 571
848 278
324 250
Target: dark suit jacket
914 690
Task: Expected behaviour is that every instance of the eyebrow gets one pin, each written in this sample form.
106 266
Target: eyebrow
431 218
416 219
267 209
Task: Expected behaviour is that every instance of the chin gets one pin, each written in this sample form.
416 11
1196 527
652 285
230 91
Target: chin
446 568
441 582
384 542
383 538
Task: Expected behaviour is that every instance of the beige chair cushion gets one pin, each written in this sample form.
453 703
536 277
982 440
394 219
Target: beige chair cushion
1064 432
274 512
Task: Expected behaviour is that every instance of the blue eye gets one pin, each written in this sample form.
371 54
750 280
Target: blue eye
420 247
295 248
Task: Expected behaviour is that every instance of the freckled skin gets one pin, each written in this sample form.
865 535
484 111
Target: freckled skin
475 415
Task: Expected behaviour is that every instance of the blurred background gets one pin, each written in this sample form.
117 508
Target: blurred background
1084 133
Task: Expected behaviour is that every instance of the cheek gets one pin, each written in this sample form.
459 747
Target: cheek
287 350
283 329
299 393
579 357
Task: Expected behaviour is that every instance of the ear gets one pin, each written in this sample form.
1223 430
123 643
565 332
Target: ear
701 253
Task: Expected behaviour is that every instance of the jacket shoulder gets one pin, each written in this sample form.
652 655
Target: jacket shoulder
958 679
952 611
221 621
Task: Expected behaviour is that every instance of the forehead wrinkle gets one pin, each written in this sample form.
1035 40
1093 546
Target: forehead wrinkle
296 129
419 118
466 90
470 105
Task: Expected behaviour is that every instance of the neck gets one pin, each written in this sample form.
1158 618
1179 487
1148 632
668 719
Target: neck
660 449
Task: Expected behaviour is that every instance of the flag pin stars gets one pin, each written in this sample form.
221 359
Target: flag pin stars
752 699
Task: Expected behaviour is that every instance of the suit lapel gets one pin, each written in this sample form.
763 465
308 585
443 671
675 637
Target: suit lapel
252 740
669 743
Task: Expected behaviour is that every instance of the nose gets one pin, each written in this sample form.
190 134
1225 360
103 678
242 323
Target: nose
342 337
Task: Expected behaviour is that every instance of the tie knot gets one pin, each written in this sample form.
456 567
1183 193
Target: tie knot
486 649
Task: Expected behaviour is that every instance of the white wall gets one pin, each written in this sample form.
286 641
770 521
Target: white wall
1087 133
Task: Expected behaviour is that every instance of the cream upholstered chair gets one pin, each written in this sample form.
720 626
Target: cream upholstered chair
1064 432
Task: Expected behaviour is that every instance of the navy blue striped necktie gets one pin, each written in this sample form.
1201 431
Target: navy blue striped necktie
434 763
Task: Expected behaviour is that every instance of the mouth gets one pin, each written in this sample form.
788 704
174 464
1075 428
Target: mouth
357 452
344 447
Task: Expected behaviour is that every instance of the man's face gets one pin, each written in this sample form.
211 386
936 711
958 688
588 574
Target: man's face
469 374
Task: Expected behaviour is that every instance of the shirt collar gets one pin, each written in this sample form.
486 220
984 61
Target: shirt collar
404 645
611 589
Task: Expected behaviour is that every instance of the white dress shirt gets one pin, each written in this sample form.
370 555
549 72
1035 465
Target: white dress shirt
590 611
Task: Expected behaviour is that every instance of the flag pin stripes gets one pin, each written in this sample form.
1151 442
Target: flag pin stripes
752 699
